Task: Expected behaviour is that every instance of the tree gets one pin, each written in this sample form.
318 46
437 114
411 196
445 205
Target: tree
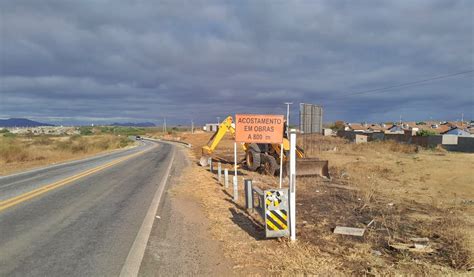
338 125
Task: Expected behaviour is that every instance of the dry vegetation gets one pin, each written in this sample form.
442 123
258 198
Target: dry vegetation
408 192
20 153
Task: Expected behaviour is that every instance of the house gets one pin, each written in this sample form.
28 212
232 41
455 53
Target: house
211 127
436 127
442 128
457 132
328 132
356 127
378 127
454 124
395 129
360 139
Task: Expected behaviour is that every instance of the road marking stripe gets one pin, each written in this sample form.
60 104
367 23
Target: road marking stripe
36 192
134 259
48 187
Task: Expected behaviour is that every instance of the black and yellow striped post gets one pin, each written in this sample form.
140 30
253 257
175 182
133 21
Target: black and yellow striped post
277 220
276 213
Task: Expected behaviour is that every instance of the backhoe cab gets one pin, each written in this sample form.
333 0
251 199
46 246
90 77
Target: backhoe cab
264 157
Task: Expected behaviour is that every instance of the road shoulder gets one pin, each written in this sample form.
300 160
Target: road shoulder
180 242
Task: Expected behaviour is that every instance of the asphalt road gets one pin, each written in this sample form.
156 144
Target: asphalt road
85 227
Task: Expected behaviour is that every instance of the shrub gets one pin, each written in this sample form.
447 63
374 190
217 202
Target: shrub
86 131
124 142
425 133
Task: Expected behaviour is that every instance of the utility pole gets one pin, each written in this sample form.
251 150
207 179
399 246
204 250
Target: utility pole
164 125
192 126
288 116
462 119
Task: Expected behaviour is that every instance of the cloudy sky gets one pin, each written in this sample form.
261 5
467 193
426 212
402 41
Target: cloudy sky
137 60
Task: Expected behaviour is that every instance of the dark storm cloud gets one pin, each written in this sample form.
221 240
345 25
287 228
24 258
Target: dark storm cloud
202 59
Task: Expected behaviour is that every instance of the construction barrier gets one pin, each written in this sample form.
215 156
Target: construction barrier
272 206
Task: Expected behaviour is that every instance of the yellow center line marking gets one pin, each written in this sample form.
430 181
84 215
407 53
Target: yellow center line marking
36 192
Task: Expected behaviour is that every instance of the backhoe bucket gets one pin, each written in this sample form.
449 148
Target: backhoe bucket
312 167
204 161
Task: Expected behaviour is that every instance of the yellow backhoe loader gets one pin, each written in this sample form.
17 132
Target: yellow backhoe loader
266 157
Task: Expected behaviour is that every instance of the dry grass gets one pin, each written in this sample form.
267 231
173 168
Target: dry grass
241 234
20 153
402 188
385 146
314 145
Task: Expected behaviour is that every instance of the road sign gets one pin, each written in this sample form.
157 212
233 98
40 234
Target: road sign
311 118
259 128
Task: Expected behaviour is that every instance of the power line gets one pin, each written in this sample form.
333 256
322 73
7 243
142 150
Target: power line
409 84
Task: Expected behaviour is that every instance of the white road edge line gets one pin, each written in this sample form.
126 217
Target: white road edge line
135 256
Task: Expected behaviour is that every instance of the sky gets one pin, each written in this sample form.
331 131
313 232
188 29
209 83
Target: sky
98 61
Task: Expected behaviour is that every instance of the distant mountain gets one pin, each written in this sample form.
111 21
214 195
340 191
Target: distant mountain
138 124
21 122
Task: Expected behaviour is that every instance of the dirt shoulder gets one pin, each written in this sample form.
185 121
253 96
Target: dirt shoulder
201 231
180 243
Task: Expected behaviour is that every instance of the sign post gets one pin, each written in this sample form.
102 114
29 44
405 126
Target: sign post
281 163
292 176
235 173
226 178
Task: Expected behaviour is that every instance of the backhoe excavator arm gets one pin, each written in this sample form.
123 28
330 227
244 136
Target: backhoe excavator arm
224 127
